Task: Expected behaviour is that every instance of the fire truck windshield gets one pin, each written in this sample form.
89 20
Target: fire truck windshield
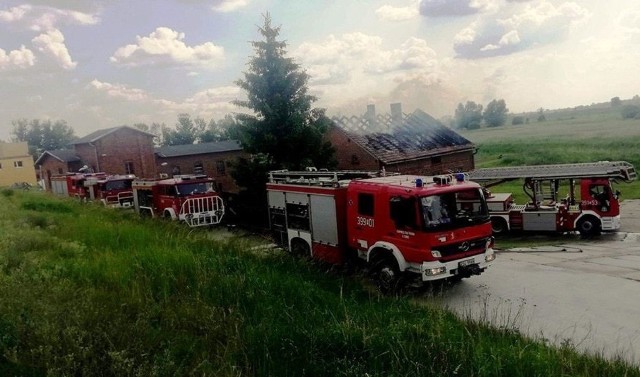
186 189
454 209
117 185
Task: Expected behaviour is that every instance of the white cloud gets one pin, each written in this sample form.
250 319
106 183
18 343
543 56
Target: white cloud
227 6
45 18
52 44
20 59
391 13
119 91
519 28
165 46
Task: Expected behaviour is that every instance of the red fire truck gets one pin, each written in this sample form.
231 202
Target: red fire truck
188 198
407 229
554 205
110 190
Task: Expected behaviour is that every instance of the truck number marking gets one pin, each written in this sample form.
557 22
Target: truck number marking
364 221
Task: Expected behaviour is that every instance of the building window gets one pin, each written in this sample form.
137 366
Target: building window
220 168
355 160
60 171
175 171
198 168
436 160
128 167
17 164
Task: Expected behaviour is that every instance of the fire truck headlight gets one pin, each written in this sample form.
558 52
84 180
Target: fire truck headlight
436 254
490 243
435 271
490 257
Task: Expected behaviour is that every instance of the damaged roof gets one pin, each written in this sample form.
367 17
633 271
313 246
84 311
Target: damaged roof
416 135
202 148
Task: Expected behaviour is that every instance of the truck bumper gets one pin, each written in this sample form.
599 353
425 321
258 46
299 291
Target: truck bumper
610 224
465 267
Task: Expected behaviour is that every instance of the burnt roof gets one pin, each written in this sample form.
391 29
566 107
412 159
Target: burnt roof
202 148
416 135
63 155
97 135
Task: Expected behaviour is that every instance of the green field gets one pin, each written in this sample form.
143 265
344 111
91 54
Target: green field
587 134
90 291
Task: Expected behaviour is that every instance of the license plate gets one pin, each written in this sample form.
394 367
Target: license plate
466 263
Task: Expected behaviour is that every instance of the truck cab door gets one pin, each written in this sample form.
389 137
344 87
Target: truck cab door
599 197
361 220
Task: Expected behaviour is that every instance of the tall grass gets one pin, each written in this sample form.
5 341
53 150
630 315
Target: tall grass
91 291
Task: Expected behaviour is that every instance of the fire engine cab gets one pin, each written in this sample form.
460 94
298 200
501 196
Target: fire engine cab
188 198
562 198
406 229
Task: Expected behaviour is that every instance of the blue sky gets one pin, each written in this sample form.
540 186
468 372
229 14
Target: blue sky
105 63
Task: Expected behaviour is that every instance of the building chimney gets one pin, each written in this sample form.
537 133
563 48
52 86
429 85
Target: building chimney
370 116
396 115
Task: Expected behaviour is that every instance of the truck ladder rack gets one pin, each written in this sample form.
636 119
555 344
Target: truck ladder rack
318 178
619 170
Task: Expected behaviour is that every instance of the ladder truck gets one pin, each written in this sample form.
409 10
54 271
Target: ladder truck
562 197
407 230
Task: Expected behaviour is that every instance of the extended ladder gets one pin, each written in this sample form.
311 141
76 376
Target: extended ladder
618 170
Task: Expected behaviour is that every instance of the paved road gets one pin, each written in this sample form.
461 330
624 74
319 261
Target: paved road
586 292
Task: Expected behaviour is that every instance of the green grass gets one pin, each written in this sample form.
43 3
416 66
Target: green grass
91 291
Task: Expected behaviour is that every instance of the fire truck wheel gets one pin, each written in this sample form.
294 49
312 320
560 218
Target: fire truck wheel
300 248
589 226
499 225
387 275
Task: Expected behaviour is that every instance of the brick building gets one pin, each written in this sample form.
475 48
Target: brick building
415 143
16 164
212 159
118 150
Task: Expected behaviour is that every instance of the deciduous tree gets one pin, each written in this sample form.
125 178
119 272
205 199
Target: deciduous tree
468 116
42 135
495 114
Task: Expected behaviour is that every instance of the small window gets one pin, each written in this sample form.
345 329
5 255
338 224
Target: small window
436 160
403 212
17 164
128 167
355 160
365 204
198 168
60 171
221 168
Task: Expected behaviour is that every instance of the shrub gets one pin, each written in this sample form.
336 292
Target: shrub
630 111
517 120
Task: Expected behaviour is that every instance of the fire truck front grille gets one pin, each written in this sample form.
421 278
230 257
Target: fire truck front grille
465 248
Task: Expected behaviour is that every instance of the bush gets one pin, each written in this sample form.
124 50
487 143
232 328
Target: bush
517 120
630 112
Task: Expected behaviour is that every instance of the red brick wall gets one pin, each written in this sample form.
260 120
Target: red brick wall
113 151
51 166
350 155
210 166
441 164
